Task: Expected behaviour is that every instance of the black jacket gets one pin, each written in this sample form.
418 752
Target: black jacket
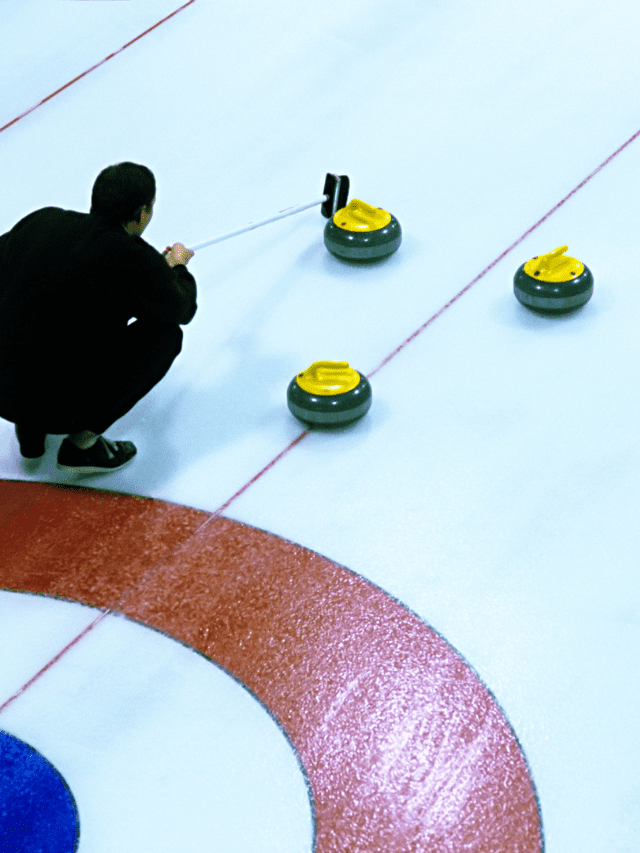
69 284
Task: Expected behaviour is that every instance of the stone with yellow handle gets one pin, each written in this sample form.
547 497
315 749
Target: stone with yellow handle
361 232
329 393
554 283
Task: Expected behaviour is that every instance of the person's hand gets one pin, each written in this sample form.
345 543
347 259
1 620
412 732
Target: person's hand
177 254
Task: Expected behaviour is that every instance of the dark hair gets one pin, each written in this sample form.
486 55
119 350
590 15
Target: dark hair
121 191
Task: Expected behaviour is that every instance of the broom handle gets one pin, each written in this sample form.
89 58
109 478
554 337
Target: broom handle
289 211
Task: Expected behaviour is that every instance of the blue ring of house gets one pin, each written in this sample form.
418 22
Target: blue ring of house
38 811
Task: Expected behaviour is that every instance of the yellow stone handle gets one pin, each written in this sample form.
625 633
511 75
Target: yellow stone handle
360 216
554 266
328 377
554 260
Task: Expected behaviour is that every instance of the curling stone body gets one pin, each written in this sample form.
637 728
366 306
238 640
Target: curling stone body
360 232
553 283
329 393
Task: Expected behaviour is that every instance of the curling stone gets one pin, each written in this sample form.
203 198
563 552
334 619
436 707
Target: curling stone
329 393
360 232
553 283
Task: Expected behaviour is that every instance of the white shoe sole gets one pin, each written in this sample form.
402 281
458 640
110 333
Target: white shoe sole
93 469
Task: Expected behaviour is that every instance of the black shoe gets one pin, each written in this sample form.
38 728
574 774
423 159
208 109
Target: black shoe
31 441
105 456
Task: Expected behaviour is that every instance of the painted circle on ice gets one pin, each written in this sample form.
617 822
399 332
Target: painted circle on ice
164 750
37 809
405 749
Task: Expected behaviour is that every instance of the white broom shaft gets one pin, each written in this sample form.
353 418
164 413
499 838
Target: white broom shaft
288 212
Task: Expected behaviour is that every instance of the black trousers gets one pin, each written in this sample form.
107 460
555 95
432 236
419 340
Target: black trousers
92 395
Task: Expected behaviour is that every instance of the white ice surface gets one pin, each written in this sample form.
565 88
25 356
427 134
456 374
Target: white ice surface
493 485
49 624
161 749
48 44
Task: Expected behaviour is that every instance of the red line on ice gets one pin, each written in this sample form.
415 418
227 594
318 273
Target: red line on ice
53 660
93 67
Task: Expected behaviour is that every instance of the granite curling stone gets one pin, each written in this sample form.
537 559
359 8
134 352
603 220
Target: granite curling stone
360 232
553 283
329 393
